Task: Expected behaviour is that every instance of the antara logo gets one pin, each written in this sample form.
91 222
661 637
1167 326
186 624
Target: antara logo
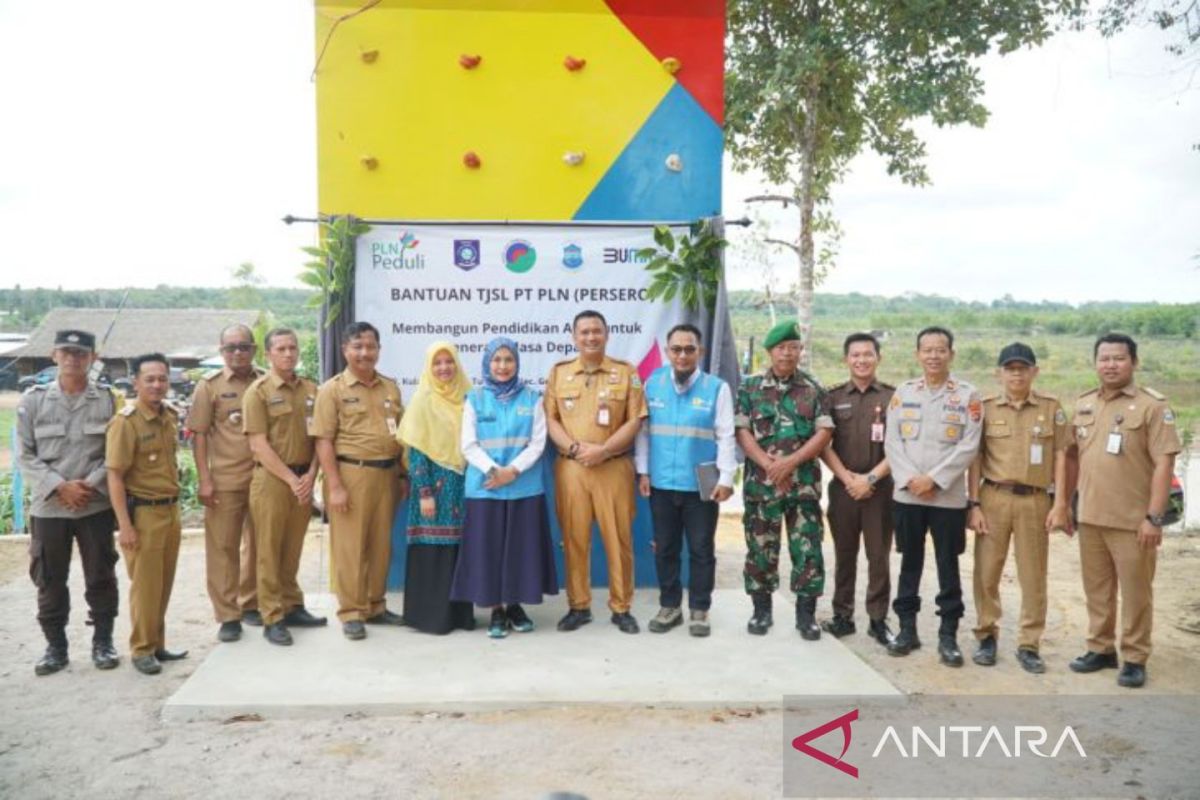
801 743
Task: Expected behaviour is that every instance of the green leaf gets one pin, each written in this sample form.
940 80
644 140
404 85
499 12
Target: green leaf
664 239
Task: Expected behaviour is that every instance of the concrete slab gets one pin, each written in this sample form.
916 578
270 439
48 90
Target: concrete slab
399 670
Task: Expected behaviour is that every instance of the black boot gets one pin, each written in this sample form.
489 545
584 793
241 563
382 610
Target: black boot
906 640
948 650
762 620
104 654
55 657
806 622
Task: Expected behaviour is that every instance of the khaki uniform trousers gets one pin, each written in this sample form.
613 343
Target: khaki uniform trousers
1111 558
151 567
229 555
1021 520
279 527
361 541
604 494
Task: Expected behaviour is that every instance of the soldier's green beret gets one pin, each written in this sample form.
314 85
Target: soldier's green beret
783 332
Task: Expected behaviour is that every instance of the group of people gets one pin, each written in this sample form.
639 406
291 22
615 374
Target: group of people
933 456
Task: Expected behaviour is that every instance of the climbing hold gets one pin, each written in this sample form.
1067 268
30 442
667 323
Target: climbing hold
674 163
369 162
471 160
369 56
573 158
469 62
672 64
574 64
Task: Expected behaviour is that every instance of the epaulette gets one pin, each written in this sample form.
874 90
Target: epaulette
1045 396
169 405
128 410
621 361
887 386
1094 390
37 387
208 376
563 362
1157 395
988 398
837 386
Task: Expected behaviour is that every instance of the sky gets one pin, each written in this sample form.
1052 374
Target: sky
154 142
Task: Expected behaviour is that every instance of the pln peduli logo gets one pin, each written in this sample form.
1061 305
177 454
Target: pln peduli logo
519 256
572 256
466 254
397 254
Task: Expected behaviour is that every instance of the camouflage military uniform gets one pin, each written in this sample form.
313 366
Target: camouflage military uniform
783 415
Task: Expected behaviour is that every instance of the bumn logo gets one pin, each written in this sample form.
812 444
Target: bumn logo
801 743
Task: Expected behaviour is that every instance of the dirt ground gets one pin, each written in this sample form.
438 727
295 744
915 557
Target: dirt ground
87 732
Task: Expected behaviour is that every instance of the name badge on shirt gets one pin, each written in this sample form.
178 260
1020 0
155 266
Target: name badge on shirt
392 427
1035 454
308 426
876 431
1113 446
602 416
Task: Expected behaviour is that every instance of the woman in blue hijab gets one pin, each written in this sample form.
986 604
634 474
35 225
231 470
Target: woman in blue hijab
506 557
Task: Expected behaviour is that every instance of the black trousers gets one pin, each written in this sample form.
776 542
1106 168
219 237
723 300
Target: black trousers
50 565
948 527
676 514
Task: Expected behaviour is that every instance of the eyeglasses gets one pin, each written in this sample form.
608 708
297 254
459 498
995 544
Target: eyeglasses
243 347
683 349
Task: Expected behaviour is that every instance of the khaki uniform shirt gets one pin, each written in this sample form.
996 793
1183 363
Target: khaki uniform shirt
854 414
61 438
593 403
1021 443
284 412
217 411
360 418
1114 488
141 443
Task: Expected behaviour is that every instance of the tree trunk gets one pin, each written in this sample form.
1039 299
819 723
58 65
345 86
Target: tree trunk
806 194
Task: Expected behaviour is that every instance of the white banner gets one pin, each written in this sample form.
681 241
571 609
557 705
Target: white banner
470 283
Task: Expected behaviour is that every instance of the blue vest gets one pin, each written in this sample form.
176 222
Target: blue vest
503 431
681 428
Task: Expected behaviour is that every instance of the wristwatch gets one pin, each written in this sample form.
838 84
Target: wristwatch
872 479
1157 520
972 504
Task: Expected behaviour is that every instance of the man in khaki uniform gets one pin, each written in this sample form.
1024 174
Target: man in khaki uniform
224 466
143 483
1022 454
277 416
1126 446
594 408
357 415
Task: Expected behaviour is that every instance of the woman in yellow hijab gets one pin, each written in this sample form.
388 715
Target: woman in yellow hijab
430 432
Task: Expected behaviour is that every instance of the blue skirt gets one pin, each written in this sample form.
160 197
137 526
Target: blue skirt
506 555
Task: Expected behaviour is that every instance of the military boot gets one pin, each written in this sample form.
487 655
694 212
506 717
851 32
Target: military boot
55 657
948 650
762 619
906 640
806 622
104 654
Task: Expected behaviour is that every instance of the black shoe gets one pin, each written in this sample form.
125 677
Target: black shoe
880 632
1093 662
147 665
230 631
518 620
104 655
1132 676
948 650
386 617
906 640
299 617
985 654
167 655
762 620
806 618
354 629
625 622
574 619
498 627
1030 661
839 626
252 617
54 659
277 633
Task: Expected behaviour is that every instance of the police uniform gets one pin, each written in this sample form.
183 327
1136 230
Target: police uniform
859 419
1119 437
362 419
228 526
61 438
141 444
592 403
931 431
283 412
1017 454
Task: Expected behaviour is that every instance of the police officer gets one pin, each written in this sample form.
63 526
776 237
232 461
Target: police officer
224 466
594 408
690 424
783 424
356 418
1021 456
277 416
143 482
860 493
1127 443
931 438
60 428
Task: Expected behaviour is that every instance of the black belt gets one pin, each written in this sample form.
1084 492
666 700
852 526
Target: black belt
300 470
162 501
1015 488
378 463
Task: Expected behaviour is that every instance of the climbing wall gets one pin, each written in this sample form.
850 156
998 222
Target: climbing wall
520 109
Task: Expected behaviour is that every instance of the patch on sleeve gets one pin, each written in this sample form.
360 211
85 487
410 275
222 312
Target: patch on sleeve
128 410
975 409
1168 417
895 402
1060 417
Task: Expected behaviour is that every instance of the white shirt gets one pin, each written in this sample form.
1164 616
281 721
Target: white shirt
477 457
727 461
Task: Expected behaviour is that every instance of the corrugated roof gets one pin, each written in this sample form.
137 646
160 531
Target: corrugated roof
178 333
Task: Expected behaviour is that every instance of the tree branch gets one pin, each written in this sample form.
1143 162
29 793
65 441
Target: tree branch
795 248
773 198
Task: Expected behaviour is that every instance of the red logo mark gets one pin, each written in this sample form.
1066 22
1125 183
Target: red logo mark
801 743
